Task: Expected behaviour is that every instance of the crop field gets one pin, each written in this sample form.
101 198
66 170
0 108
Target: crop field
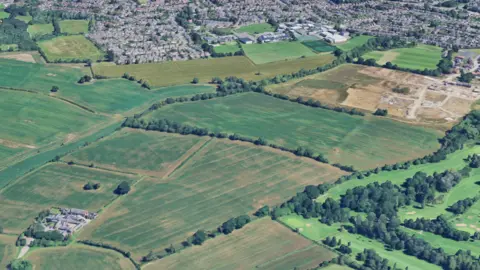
277 51
8 250
364 142
182 72
67 48
419 57
74 26
231 48
151 152
353 42
263 244
256 28
219 181
58 185
78 257
32 119
319 46
36 30
316 231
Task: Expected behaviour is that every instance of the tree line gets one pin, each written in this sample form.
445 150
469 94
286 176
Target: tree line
461 206
439 226
126 254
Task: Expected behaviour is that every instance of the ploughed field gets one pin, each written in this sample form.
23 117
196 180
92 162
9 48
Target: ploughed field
363 142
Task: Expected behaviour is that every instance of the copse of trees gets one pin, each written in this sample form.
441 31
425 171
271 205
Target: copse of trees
461 206
84 79
234 224
13 31
474 161
123 188
90 186
20 264
439 226
381 112
466 77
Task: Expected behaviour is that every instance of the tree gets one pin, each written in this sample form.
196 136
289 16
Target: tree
88 186
199 237
195 80
20 264
466 77
54 89
381 112
262 212
123 188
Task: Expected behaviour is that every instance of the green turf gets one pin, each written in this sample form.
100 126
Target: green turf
353 42
152 151
182 72
219 181
419 57
453 161
277 51
3 14
26 18
319 46
67 48
364 142
232 48
78 257
74 26
36 30
58 185
257 28
313 229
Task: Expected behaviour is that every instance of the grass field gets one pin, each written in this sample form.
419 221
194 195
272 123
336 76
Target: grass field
182 72
256 28
33 119
8 250
66 48
56 185
364 142
227 48
353 42
263 244
319 46
6 47
219 181
36 30
74 26
419 57
26 18
151 153
313 229
3 14
277 51
78 257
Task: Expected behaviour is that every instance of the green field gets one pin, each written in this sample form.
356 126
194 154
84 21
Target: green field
26 18
152 152
182 72
73 27
256 28
228 48
36 30
8 250
419 57
6 47
3 14
277 51
319 46
56 185
313 229
219 181
263 244
67 48
364 142
78 257
353 42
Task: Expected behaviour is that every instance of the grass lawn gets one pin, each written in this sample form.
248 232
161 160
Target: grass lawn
364 142
313 229
56 185
74 26
419 57
277 51
228 48
182 72
36 30
319 46
150 153
67 48
219 181
8 250
263 244
78 257
26 18
256 28
3 14
353 42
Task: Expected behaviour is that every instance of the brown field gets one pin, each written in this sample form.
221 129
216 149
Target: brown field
8 250
25 57
263 244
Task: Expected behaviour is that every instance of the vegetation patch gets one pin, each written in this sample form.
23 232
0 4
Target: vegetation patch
419 57
36 30
3 14
8 250
353 42
319 46
74 26
232 48
70 49
277 51
256 28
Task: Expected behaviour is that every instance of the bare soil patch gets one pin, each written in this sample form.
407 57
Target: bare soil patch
458 105
25 57
435 97
12 144
360 98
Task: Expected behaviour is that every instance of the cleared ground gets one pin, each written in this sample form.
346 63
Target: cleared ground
67 48
256 28
353 42
316 231
182 72
8 250
277 51
419 57
263 244
58 185
217 182
78 257
151 153
36 30
364 142
74 26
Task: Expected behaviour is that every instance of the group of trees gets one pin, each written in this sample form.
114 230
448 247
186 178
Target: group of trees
474 161
84 79
123 188
126 254
143 83
439 226
13 31
381 112
462 206
90 186
234 224
20 264
466 77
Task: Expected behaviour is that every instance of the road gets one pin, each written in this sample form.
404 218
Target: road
25 249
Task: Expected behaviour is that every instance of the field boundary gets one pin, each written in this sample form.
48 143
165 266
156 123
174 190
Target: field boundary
186 157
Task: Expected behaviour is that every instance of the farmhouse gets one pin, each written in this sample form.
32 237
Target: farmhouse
68 221
245 40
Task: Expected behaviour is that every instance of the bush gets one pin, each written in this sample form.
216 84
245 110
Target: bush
123 188
54 89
